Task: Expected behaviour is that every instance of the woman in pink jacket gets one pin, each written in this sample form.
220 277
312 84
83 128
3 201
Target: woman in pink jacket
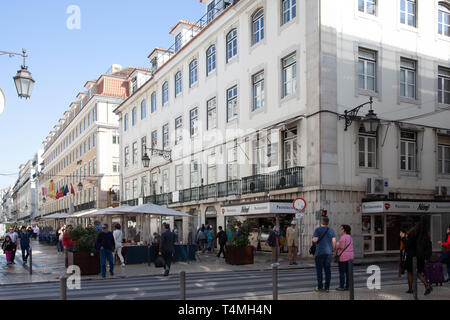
345 253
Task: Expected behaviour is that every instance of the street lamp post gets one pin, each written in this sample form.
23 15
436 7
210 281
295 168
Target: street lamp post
370 121
23 80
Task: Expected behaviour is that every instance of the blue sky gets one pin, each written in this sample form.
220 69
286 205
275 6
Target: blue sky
62 60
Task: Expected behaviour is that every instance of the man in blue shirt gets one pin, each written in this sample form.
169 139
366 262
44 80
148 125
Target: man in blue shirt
25 244
325 239
106 244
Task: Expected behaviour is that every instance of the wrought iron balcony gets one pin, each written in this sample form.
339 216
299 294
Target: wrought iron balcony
282 179
83 206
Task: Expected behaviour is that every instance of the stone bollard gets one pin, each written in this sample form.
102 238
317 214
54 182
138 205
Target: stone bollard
275 281
63 287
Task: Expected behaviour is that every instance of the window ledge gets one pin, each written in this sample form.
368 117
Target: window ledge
286 25
409 100
443 106
194 85
409 173
443 38
212 73
443 175
369 93
290 97
407 27
367 16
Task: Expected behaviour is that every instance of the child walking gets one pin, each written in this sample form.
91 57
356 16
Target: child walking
8 247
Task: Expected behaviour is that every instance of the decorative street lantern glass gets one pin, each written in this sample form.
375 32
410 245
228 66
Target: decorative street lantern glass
371 122
80 187
24 83
146 160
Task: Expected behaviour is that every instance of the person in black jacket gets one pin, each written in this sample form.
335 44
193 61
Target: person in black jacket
106 245
222 236
166 248
274 242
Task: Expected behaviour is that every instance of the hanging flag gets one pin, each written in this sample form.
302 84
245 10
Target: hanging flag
72 191
66 190
52 191
44 192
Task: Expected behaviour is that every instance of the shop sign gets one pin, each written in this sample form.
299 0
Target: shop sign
405 207
259 208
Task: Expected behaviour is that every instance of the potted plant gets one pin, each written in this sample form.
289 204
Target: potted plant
240 251
84 255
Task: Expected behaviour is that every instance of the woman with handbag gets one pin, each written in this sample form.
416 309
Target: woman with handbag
344 253
445 258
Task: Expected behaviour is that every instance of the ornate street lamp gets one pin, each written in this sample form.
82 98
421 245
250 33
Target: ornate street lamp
80 187
370 121
23 80
146 160
166 154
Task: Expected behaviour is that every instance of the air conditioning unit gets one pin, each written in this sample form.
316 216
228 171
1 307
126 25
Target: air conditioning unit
442 191
377 186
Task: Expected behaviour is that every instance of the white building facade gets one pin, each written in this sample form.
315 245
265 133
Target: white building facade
248 108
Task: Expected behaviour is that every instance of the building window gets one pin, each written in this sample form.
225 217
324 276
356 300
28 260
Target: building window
193 72
407 78
444 20
258 154
178 83
94 166
194 174
193 121
125 122
89 143
134 116
135 195
290 148
115 138
178 42
143 109
232 173
289 10
165 181
127 191
89 169
212 169
444 85
232 44
258 26
144 185
179 177
94 140
178 130
135 152
126 156
94 114
211 109
408 141
258 91
211 59
165 93
89 119
154 139
444 159
143 145
408 12
211 11
367 151
367 63
232 106
165 136
134 84
289 75
116 165
153 101
367 6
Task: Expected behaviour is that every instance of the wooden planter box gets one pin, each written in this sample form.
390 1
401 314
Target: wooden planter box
89 262
239 255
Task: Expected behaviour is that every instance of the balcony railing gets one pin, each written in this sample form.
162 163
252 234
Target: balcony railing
133 202
282 179
85 206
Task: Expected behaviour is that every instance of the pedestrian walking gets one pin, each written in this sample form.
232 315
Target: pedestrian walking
14 236
67 244
25 244
105 244
166 248
118 236
274 242
35 232
445 257
418 245
209 239
344 254
8 246
59 237
292 235
325 240
222 237
402 263
202 237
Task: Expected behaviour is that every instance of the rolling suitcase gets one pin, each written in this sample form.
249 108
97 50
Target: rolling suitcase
434 273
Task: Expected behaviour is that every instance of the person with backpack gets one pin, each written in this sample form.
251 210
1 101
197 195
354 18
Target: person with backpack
222 237
445 257
8 246
202 237
324 241
344 254
274 242
418 245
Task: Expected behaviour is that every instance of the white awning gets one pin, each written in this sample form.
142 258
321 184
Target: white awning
82 213
421 207
148 208
59 215
259 209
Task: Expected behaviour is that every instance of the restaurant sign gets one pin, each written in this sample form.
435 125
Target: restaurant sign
258 209
405 207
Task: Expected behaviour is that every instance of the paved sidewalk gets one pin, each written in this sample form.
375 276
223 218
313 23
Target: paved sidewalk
393 292
49 266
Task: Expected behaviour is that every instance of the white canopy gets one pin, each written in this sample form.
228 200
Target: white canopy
82 214
148 208
59 215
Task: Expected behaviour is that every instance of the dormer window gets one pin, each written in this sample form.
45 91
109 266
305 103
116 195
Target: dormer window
89 93
178 42
134 84
211 11
154 63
